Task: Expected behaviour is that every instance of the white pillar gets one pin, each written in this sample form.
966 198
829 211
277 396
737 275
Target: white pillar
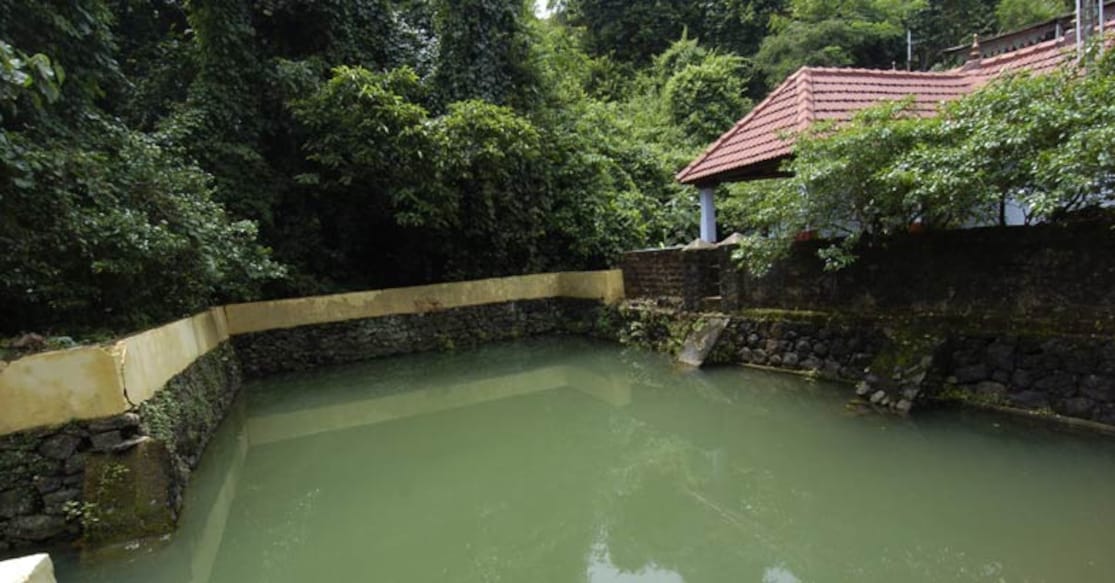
708 215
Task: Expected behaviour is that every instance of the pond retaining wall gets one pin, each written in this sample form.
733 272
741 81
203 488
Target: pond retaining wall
1006 317
1000 365
98 442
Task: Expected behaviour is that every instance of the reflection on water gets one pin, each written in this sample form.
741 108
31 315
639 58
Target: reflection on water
601 569
569 461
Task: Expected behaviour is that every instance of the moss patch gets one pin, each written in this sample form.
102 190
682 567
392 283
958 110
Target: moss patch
127 495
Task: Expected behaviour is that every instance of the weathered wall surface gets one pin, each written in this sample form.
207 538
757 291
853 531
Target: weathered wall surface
45 494
686 276
98 381
54 387
1039 372
606 286
837 348
1061 273
152 358
654 273
1054 271
1072 376
93 382
312 346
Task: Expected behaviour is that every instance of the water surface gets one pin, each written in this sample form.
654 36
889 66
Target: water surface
571 461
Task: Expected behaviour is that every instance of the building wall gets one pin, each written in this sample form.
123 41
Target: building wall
684 275
654 273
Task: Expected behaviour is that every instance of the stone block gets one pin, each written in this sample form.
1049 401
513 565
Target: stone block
75 463
1105 414
115 423
55 502
971 374
1021 379
59 447
107 440
131 491
16 502
1029 400
990 391
1099 388
46 484
1058 383
1079 407
1000 356
37 527
820 349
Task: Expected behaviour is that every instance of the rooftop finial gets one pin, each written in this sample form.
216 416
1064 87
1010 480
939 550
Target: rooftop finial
975 54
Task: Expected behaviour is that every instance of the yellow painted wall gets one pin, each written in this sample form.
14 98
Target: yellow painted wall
154 357
262 316
98 381
54 387
91 382
606 286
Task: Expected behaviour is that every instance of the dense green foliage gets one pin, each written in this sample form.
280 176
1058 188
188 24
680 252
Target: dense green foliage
1018 13
97 218
1041 142
158 156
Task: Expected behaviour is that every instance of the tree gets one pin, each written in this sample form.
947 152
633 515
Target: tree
863 33
484 53
1015 14
947 23
102 225
705 99
106 227
374 163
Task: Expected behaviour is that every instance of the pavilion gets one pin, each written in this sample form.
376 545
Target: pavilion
758 144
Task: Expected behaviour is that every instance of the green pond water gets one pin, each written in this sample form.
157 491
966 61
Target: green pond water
571 461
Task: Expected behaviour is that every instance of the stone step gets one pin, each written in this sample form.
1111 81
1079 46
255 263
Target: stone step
701 340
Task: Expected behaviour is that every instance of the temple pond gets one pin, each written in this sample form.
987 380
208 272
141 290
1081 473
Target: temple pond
566 460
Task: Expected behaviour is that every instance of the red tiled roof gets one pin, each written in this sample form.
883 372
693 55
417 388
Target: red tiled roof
765 136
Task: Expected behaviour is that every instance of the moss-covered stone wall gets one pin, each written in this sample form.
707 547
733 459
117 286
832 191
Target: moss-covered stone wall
1034 371
1056 271
60 483
308 347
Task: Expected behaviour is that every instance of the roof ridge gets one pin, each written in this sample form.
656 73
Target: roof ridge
804 99
762 105
887 72
1016 54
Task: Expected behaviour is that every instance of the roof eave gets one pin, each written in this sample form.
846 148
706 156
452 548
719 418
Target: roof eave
759 170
